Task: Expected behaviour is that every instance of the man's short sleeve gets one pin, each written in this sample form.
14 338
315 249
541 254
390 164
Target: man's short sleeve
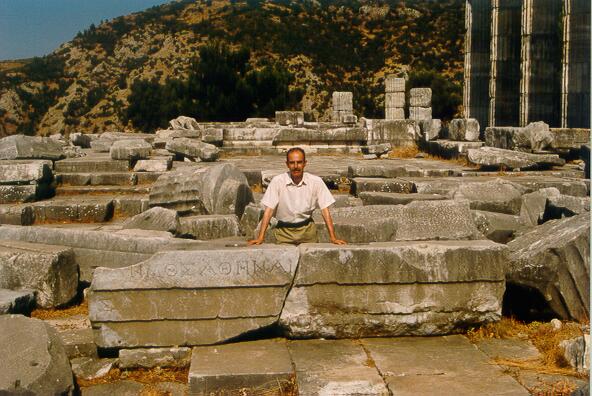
271 198
324 197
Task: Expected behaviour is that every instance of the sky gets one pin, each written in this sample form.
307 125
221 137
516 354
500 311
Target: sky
37 27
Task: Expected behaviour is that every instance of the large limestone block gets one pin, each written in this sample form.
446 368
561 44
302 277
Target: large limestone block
569 138
207 227
50 270
33 358
394 185
554 258
561 206
430 129
507 138
130 149
25 192
16 214
218 189
420 113
539 135
394 84
16 301
193 297
420 97
496 158
154 357
21 171
493 196
394 99
304 135
157 218
380 198
250 134
499 227
399 133
394 288
193 149
28 147
342 101
394 113
464 129
183 122
286 118
533 205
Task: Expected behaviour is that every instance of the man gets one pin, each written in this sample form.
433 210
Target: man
294 195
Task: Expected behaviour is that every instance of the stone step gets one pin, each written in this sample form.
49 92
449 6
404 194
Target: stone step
98 190
393 185
107 178
93 164
209 226
94 210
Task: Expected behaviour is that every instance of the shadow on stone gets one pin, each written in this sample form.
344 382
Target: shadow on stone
525 304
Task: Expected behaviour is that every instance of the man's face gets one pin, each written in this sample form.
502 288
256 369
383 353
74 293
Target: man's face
296 164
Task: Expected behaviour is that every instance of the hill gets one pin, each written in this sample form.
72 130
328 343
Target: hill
323 46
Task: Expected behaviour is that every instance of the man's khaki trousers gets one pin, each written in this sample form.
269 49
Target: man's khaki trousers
296 235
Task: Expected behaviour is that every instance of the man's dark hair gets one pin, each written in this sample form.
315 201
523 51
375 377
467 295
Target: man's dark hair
296 149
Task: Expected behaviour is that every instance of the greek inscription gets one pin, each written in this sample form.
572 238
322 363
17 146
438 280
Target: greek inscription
171 270
225 269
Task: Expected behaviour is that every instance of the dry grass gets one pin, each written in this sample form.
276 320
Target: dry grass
404 152
542 336
58 313
143 376
462 161
257 188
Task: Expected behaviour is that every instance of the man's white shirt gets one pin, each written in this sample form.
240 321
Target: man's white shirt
294 203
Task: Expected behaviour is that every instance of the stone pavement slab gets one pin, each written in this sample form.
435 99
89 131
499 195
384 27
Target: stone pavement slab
334 367
256 367
448 365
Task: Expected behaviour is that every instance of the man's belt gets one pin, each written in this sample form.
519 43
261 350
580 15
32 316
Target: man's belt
285 224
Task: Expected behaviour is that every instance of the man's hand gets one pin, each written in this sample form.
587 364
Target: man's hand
329 223
255 242
338 241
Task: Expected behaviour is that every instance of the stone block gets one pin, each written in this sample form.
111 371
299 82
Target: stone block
507 138
495 158
29 147
430 129
394 84
193 149
493 196
577 352
399 133
183 122
155 357
533 205
585 156
17 214
156 218
213 136
153 165
554 258
114 179
254 367
348 119
451 148
466 129
420 97
285 118
378 149
366 184
24 172
394 113
130 205
394 100
498 227
91 368
250 134
420 113
219 189
16 301
293 136
82 139
539 134
387 289
25 192
181 298
89 210
385 198
49 270
130 149
33 358
91 165
558 207
569 138
79 343
342 101
207 227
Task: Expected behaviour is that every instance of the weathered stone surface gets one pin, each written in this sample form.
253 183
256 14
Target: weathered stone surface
394 84
507 138
493 196
394 113
250 134
119 388
207 227
33 358
16 214
539 134
82 139
130 149
219 189
255 367
16 301
385 198
387 171
90 368
569 138
365 184
394 100
430 129
167 134
49 270
420 113
342 101
390 289
451 148
79 342
334 367
89 210
183 122
25 192
23 171
577 352
553 258
193 149
448 366
533 205
153 165
585 156
494 157
397 132
156 218
286 118
508 348
499 227
308 136
154 357
560 206
378 149
91 165
29 147
420 97
181 298
464 129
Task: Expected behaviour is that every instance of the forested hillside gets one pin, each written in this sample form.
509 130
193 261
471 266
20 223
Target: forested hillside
227 60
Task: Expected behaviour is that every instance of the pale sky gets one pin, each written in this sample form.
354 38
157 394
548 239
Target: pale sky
36 27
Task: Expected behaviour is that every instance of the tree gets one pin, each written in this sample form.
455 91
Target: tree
446 94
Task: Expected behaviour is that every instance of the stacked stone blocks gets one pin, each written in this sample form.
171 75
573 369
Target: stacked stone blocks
394 98
420 104
343 108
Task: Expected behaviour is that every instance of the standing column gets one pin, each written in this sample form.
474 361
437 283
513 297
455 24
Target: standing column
477 67
343 106
504 83
540 84
575 84
394 98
